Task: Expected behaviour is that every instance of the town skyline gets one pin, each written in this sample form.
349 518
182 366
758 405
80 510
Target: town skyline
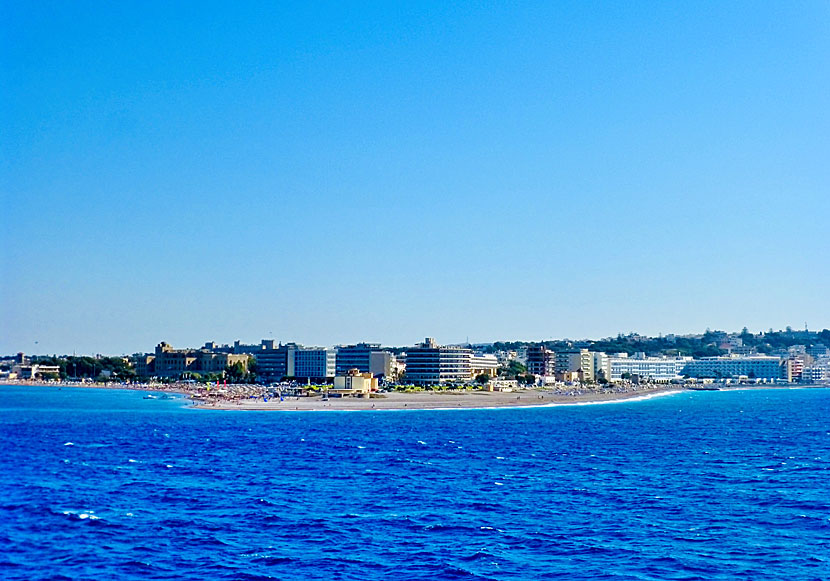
198 343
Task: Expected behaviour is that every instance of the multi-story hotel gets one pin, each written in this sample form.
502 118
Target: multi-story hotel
753 366
484 364
541 360
652 369
576 360
431 364
366 358
314 363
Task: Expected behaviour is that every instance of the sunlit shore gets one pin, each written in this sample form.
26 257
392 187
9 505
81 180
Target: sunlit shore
255 397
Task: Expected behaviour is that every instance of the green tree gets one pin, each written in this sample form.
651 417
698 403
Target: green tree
513 369
236 373
482 378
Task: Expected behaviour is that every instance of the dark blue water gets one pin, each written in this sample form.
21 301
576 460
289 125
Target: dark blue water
690 486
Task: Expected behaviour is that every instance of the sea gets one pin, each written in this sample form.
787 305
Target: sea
105 484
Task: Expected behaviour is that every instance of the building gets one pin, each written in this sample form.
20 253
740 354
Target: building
649 369
177 363
483 363
357 356
144 365
602 366
818 350
431 364
275 362
354 383
383 364
734 366
576 360
314 363
541 360
814 374
35 371
792 369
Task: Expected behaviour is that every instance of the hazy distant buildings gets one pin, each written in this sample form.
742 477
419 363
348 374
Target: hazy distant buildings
431 364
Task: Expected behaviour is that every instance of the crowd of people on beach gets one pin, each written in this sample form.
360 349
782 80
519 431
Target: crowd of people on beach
235 393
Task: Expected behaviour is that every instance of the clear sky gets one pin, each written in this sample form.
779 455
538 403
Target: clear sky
337 172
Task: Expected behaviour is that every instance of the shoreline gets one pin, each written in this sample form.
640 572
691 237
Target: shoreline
245 397
438 401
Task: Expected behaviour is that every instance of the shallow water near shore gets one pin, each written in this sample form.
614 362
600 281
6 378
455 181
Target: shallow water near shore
697 485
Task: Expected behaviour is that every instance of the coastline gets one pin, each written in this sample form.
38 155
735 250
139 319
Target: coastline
249 398
443 400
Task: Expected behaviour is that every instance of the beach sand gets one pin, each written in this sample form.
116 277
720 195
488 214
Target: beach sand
435 400
249 397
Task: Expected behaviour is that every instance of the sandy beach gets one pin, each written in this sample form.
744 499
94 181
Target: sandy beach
246 397
440 400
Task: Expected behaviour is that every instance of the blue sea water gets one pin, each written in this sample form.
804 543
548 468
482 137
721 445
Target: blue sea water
98 484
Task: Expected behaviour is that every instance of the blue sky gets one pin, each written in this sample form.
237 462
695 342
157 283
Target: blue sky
387 171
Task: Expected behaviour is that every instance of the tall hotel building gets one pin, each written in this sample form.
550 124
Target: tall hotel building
431 364
541 360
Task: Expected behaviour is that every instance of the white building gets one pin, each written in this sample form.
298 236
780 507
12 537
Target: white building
483 363
602 363
431 364
314 363
575 360
754 366
652 369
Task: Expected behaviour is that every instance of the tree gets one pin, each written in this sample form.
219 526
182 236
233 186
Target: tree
482 378
513 369
236 373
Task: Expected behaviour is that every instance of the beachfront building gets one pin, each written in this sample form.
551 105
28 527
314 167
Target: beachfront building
275 362
602 366
575 361
144 365
354 383
177 363
357 356
383 364
483 363
819 371
792 369
34 371
430 364
314 363
621 367
734 366
541 360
